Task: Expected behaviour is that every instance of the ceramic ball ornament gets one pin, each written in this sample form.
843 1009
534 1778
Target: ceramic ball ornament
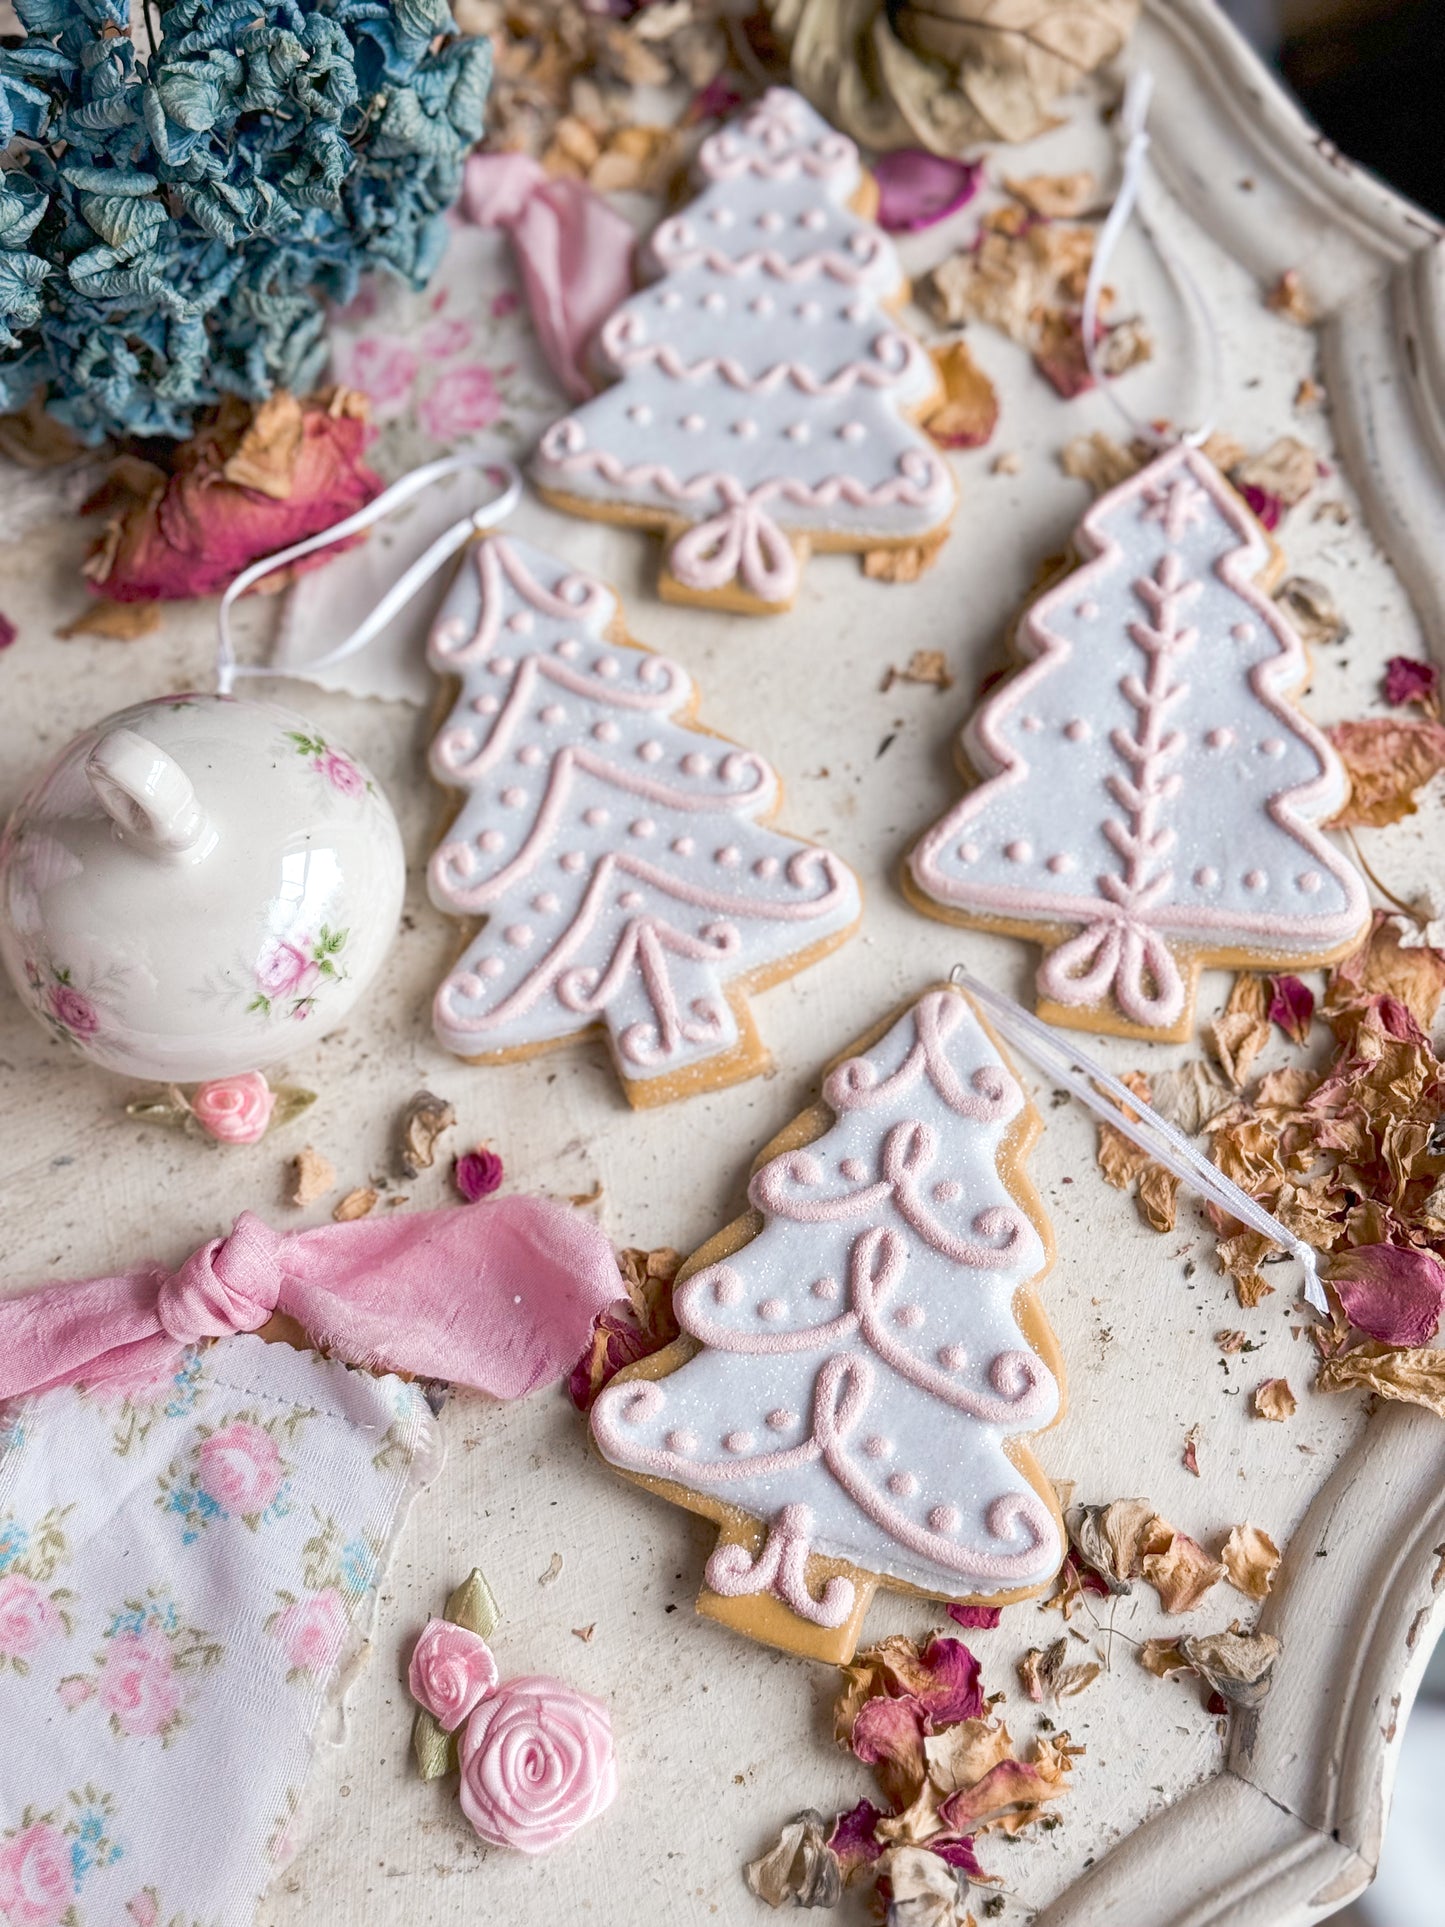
198 886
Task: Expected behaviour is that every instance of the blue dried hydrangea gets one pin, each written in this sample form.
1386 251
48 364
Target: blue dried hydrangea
170 225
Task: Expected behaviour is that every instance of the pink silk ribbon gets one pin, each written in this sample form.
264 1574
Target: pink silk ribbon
573 250
499 1297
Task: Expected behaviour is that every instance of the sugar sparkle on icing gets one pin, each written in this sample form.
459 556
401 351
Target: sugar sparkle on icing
903 1469
643 923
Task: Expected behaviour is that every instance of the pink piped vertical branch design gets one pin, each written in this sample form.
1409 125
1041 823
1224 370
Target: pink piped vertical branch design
1122 951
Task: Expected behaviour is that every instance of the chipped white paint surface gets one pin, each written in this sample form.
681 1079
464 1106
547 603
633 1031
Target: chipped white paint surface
1169 1824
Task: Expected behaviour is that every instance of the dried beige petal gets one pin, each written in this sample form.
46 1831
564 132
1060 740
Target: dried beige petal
1225 451
355 1204
1190 1097
1098 460
1242 1031
1415 1375
1045 1673
929 666
1182 1573
927 1892
963 1753
1250 1558
1287 469
1112 1539
265 458
965 412
115 621
640 160
312 1176
1312 611
1230 1341
425 1119
904 562
800 1869
1274 1400
1288 297
1009 463
1158 1197
1190 1459
1388 762
1055 196
1238 1666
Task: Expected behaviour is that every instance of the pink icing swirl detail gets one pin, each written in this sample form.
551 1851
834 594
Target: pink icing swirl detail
995 1094
781 1568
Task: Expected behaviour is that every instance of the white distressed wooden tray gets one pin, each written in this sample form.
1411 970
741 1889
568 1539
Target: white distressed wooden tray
1172 1822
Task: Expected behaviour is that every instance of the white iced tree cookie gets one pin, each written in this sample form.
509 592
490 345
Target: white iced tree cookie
763 396
862 1355
620 855
1149 795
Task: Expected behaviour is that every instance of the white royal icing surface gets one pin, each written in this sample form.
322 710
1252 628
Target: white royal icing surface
615 853
862 1365
759 383
1146 777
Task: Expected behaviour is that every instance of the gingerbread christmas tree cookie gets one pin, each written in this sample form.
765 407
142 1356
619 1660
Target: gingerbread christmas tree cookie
763 397
862 1355
1149 797
621 856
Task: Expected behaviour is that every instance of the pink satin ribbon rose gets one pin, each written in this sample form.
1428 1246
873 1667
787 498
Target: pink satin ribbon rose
235 1110
452 1671
537 1763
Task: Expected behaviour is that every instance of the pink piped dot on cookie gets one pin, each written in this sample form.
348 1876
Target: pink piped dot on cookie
695 763
491 966
713 301
1206 876
738 1442
669 299
682 846
491 840
1221 738
722 217
522 623
875 1446
770 221
1019 851
680 1440
947 1191
569 649
693 423
485 705
551 714
572 861
501 665
944 1518
1031 723
953 1358
1243 632
728 857
902 1485
529 755
765 869
642 826
650 751
596 816
852 432
909 1317
854 1170
761 304
772 1309
808 311
629 900
1087 609
727 1288
606 731
856 312
546 903
1272 746
824 1288
1077 730
1309 881
781 1420
641 413
968 853
514 798
1255 880
518 935
606 667
798 432
1060 863
745 428
814 219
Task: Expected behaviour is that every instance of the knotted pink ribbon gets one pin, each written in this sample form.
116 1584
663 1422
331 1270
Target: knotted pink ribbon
499 1297
573 250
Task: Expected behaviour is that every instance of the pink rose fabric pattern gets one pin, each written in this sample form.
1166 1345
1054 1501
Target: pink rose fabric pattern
189 1556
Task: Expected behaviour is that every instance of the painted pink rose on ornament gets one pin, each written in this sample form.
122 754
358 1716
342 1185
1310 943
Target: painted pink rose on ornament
27 1617
37 1887
240 1468
452 1671
340 772
138 1685
283 967
537 1763
234 1110
312 1630
76 1012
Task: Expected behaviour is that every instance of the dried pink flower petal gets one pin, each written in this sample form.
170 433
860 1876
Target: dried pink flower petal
1390 1292
1407 681
477 1174
854 1841
1292 1007
916 188
982 1617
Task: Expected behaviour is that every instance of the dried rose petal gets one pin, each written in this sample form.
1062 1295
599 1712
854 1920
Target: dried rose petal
959 1854
1274 1400
1407 681
477 1174
1267 508
888 1736
8 632
916 188
1292 1007
979 1616
966 414
1388 762
854 1841
1391 1293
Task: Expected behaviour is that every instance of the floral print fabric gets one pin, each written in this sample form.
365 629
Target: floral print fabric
187 1564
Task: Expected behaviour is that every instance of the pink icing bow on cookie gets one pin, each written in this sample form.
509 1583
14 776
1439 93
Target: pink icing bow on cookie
743 542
